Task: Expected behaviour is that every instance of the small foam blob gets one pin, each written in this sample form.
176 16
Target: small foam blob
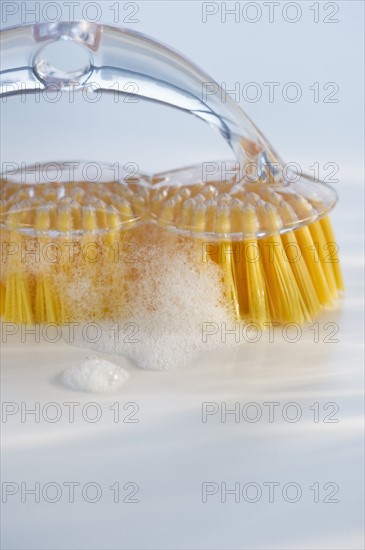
94 375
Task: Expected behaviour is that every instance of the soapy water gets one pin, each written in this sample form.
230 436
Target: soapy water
172 296
95 375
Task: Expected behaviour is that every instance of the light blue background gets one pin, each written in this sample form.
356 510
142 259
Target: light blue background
156 138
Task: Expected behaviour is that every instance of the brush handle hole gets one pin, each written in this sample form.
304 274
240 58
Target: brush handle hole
63 63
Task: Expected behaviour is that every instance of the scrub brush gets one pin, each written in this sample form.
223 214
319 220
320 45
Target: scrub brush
268 232
61 246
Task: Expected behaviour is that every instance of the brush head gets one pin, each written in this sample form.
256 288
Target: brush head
32 202
216 207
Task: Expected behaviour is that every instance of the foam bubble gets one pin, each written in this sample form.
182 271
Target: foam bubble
95 375
172 295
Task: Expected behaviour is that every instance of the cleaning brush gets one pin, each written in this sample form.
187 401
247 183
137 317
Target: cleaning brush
268 233
62 242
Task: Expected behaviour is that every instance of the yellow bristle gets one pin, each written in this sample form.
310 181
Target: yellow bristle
257 298
210 215
334 259
89 219
76 214
113 219
42 219
247 283
199 217
168 211
284 297
313 263
223 220
301 274
125 210
100 207
2 298
323 255
239 268
187 213
113 223
158 201
17 299
45 301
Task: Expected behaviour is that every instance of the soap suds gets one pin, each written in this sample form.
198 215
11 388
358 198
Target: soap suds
172 295
95 375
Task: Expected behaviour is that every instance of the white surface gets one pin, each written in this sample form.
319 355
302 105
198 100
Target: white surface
170 451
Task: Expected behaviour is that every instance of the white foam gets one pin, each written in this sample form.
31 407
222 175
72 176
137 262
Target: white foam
95 375
172 297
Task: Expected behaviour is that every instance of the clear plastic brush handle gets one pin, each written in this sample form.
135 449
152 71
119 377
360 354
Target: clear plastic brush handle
111 58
